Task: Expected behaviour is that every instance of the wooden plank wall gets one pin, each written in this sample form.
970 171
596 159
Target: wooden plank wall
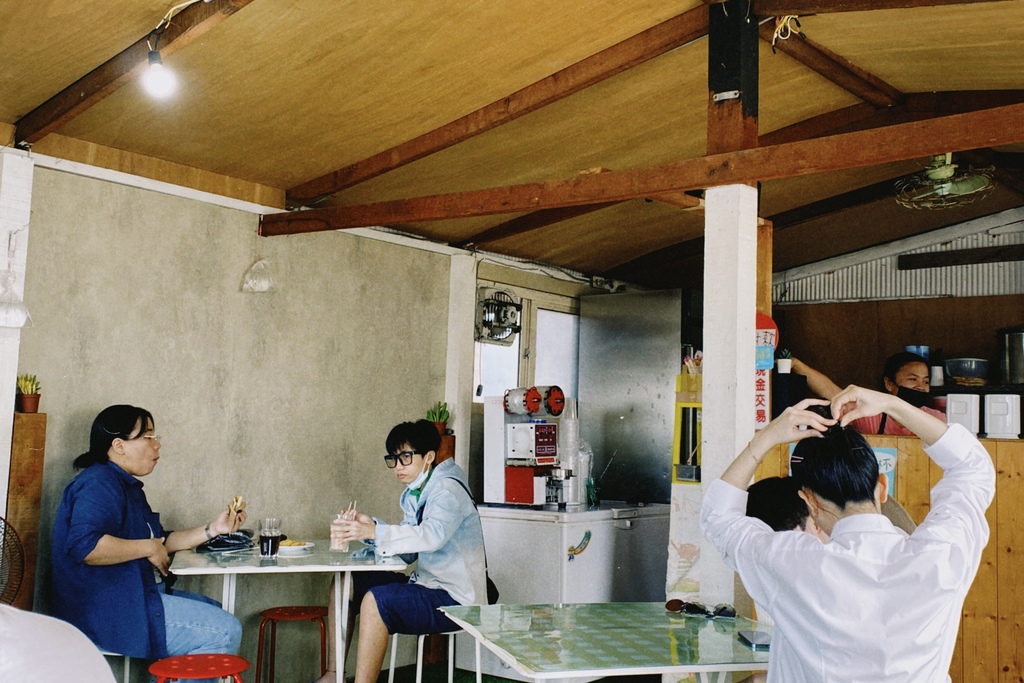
990 647
849 342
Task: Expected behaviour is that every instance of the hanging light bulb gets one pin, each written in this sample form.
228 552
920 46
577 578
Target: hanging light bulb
158 80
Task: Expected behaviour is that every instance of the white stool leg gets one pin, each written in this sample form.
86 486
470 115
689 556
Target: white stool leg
419 659
127 670
394 650
451 658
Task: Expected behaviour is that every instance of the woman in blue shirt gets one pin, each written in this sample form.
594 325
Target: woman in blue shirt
111 554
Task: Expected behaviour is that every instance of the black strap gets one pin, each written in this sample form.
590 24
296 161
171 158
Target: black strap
492 589
881 424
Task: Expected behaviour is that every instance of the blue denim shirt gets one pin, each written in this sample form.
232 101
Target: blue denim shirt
118 606
449 539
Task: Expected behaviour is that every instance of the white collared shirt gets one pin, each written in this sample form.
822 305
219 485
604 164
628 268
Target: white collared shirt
872 605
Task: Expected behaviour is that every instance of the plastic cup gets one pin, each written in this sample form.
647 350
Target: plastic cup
338 545
593 493
270 536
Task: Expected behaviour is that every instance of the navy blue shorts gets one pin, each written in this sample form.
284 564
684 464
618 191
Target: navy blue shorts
404 607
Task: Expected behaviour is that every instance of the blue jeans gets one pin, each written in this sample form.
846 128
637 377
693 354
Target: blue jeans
197 625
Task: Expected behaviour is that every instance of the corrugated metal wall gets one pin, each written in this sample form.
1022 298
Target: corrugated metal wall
874 274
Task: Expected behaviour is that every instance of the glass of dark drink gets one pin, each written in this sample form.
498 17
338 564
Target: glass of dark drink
270 536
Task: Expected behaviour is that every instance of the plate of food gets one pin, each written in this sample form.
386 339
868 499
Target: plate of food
293 547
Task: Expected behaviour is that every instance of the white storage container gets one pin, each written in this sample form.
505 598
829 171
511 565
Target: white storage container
1002 416
964 409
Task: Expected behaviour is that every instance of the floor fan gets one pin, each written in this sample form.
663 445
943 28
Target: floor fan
12 562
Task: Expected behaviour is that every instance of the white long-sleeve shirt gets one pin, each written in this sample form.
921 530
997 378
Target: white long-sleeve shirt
872 605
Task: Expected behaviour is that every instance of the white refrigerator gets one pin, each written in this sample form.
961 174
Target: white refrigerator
615 553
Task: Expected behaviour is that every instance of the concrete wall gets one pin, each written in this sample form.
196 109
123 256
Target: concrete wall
285 397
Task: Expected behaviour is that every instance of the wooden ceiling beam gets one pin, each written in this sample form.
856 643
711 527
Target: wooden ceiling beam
778 8
186 26
835 68
655 41
528 223
961 257
915 107
536 220
998 126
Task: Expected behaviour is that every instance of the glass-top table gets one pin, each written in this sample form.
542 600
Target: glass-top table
318 558
609 639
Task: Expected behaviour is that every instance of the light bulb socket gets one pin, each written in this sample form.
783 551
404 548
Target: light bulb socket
154 57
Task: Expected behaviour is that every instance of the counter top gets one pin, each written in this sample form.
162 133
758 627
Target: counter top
595 513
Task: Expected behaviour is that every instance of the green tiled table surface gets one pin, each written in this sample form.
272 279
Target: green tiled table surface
624 638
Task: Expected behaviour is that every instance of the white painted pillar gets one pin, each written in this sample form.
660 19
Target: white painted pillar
15 209
730 279
458 390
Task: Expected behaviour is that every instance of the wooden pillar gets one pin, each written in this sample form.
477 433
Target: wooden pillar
732 77
730 264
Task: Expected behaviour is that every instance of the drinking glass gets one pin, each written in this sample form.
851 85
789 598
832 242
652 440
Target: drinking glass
270 536
336 544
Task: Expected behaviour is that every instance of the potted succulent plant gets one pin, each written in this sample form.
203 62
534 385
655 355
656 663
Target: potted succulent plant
784 363
26 398
439 415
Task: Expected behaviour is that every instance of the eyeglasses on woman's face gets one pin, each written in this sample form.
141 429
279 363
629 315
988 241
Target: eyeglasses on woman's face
404 457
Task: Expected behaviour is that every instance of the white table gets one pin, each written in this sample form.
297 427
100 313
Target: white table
319 559
545 642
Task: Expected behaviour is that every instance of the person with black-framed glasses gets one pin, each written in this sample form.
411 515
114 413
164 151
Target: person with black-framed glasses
440 530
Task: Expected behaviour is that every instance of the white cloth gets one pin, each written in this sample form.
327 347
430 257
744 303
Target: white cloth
38 649
872 605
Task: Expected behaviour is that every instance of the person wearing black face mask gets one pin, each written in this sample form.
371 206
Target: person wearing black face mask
905 375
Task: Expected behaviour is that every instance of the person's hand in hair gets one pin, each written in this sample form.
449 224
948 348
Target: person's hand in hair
797 423
794 424
855 402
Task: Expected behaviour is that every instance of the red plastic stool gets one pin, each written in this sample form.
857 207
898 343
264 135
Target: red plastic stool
275 614
193 667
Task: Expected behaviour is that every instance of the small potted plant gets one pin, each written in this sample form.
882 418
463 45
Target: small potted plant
439 416
26 398
784 363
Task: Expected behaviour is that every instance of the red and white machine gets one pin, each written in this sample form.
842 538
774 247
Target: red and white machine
521 444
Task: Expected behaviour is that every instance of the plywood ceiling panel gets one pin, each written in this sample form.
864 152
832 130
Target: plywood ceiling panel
970 47
651 114
45 45
601 240
789 193
337 81
877 223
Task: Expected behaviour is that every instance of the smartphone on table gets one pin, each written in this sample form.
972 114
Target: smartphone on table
755 640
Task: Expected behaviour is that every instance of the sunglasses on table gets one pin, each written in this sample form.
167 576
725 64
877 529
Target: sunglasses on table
700 609
404 457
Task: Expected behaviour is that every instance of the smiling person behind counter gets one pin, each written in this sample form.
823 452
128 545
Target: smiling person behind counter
905 375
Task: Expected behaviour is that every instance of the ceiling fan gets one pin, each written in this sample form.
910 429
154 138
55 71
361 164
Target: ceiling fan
941 186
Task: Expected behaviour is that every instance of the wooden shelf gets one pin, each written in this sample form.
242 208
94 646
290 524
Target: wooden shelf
25 492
